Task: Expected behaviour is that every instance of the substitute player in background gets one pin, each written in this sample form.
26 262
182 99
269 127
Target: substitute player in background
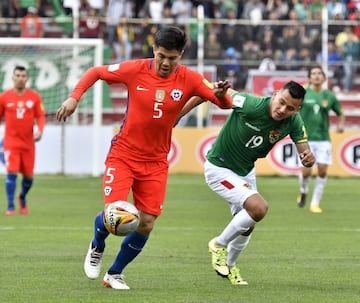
22 107
255 125
315 113
158 89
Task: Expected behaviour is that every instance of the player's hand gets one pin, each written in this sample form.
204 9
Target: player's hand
307 158
340 129
37 136
66 109
221 87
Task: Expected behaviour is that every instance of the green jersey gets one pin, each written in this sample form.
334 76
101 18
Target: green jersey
250 133
315 113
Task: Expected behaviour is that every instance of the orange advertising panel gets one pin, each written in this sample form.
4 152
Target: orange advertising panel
190 145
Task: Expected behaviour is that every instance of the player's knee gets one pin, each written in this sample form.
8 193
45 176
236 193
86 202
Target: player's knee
257 208
146 224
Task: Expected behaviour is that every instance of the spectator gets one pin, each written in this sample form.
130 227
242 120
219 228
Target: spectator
335 28
154 9
267 63
355 16
280 7
181 11
21 7
227 5
291 38
31 24
91 26
254 10
115 10
126 35
149 40
209 7
314 8
192 31
7 11
212 48
350 55
251 56
231 69
290 59
97 5
336 8
334 63
299 7
232 34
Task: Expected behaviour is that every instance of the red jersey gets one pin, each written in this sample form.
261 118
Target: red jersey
20 112
153 105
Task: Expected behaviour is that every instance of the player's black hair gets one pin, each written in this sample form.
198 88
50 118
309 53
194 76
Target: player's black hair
315 67
296 90
171 37
20 68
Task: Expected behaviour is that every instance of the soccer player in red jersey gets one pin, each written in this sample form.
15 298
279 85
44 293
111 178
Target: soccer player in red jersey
158 88
20 106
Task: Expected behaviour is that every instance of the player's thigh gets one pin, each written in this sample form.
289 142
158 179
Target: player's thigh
117 180
149 187
230 186
12 159
322 151
27 162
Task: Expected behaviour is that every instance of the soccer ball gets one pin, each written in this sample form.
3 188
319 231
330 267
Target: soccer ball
121 218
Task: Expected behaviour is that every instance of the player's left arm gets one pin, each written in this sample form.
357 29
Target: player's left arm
189 105
340 123
337 108
40 120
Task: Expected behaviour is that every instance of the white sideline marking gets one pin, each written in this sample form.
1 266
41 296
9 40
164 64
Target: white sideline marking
184 228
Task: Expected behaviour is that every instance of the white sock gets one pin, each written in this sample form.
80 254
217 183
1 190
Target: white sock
239 224
304 183
235 248
318 190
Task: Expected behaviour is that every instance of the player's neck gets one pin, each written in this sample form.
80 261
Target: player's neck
316 88
20 91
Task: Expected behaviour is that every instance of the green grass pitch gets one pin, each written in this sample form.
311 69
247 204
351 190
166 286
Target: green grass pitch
293 256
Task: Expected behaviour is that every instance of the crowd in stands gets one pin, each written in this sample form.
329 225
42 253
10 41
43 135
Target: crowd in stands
236 39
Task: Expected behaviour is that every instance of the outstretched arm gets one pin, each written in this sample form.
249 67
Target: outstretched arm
86 81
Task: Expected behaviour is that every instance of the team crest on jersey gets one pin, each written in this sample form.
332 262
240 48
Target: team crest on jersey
324 103
176 94
29 103
159 95
274 136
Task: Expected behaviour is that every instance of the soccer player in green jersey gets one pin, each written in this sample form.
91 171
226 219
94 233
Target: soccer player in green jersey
252 129
317 104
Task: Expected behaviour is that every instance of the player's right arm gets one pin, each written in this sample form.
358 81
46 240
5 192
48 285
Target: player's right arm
307 158
66 109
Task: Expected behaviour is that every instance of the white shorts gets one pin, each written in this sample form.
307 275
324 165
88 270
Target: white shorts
230 186
322 151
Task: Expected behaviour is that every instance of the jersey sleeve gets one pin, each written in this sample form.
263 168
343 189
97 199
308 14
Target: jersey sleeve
298 133
204 89
336 106
115 73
